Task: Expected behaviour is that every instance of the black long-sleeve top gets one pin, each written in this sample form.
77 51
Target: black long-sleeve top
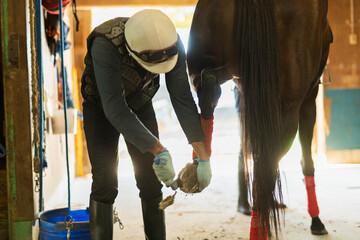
107 67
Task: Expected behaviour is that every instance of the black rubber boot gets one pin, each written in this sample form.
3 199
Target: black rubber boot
101 220
154 219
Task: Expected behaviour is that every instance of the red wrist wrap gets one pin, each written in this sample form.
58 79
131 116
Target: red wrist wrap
207 127
313 207
255 229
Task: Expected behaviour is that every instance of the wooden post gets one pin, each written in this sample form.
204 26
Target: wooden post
17 119
80 48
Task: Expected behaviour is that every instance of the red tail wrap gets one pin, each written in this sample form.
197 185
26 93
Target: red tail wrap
207 127
256 232
313 207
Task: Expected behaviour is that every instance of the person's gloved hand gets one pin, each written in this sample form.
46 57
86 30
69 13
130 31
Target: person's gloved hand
203 173
163 167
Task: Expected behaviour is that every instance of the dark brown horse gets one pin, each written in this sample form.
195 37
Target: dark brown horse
275 51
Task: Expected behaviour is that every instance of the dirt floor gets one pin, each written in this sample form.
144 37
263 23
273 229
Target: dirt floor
212 214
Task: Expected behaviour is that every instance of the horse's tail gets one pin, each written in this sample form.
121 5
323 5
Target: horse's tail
256 36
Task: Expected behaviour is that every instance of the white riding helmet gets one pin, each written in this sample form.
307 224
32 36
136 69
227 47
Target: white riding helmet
151 40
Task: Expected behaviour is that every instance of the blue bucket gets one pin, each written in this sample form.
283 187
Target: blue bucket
54 224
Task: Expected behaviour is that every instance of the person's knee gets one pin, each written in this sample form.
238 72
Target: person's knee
150 188
104 186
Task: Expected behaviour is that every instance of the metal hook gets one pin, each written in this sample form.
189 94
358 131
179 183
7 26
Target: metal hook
69 225
37 182
117 219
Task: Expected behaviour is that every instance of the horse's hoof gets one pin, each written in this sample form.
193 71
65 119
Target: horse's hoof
317 227
244 209
321 232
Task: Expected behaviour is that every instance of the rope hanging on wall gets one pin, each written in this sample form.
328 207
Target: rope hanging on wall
59 223
34 77
62 40
37 103
37 96
34 97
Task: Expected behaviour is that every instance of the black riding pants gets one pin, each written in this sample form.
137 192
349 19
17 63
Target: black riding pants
102 143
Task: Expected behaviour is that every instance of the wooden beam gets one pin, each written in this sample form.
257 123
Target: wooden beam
17 118
118 3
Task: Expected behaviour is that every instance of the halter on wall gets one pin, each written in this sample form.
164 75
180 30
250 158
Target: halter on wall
156 56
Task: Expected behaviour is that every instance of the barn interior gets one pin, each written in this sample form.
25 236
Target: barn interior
27 189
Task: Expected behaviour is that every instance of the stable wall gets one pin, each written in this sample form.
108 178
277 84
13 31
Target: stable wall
55 180
342 95
18 198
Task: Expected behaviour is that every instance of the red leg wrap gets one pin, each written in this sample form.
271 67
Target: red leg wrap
256 232
313 207
207 128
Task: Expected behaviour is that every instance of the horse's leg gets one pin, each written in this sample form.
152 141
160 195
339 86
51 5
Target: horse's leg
306 127
243 202
243 205
208 91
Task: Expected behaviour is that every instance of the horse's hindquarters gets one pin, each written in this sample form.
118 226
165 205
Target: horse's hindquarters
211 38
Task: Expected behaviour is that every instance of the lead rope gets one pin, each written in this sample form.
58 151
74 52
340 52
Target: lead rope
69 224
37 96
64 97
34 99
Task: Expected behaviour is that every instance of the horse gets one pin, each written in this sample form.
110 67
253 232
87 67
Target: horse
275 52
